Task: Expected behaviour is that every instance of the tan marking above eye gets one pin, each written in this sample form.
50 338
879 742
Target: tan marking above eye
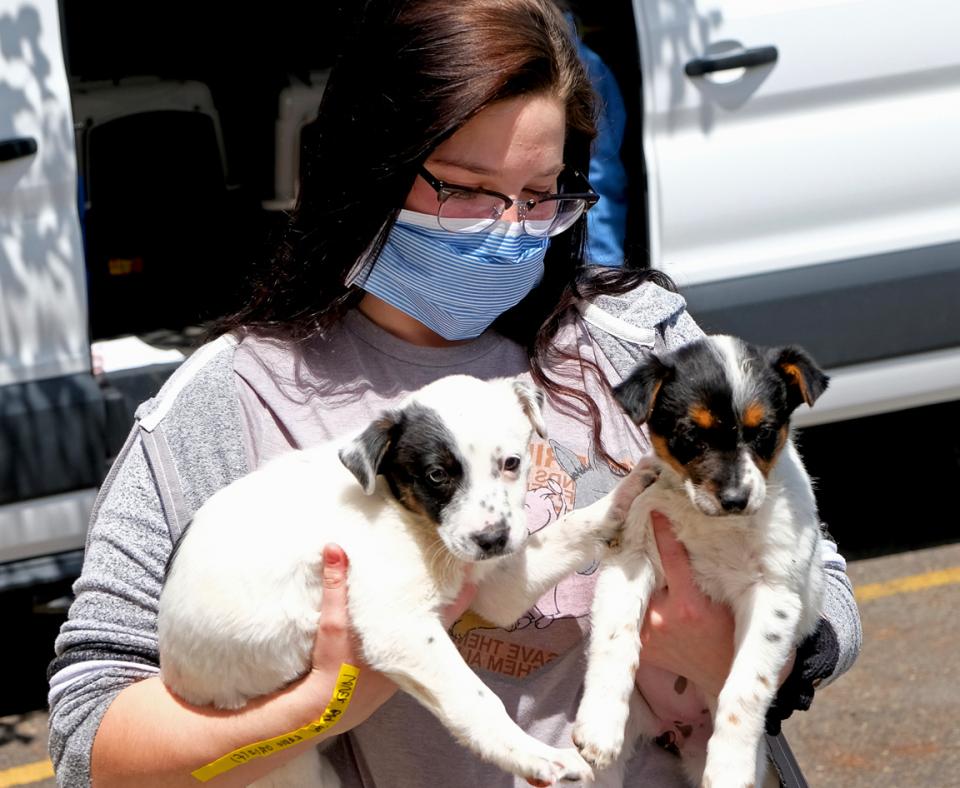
702 417
753 415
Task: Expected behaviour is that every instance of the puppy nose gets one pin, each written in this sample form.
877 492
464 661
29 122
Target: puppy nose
734 501
493 539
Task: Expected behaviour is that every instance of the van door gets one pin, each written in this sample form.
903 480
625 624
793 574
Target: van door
43 304
803 169
52 414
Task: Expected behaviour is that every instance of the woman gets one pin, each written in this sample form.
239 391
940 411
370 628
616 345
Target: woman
363 303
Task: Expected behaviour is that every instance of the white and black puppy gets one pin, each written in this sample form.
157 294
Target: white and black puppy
425 491
733 484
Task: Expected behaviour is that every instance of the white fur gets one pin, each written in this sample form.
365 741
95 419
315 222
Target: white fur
765 565
239 611
729 349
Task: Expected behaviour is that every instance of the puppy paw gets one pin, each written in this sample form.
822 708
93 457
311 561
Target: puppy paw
573 768
642 476
555 765
598 740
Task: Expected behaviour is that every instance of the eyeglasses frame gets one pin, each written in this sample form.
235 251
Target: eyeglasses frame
445 189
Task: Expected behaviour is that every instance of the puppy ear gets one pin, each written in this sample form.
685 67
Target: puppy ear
531 400
805 380
638 393
362 456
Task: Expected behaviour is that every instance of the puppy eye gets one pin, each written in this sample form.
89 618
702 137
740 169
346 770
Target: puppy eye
766 435
511 464
437 475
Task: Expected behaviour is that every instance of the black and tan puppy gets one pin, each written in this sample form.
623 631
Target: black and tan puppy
733 485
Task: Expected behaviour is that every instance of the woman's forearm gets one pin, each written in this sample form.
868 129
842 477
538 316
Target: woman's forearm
151 737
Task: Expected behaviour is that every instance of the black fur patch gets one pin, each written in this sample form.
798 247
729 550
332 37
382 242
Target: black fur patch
363 456
423 462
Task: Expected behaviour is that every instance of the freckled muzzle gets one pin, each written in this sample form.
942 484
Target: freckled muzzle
486 524
492 540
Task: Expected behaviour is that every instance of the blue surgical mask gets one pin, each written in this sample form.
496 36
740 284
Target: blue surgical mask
456 284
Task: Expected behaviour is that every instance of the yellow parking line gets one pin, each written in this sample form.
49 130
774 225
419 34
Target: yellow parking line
26 774
902 585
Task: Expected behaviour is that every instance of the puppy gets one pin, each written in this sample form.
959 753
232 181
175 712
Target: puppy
741 503
424 492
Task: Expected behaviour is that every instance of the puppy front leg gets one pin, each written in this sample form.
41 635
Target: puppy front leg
620 601
516 582
424 663
766 625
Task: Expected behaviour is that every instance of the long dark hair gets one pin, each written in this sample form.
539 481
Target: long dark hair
414 72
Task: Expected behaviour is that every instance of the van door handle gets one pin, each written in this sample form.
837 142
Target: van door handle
17 148
758 56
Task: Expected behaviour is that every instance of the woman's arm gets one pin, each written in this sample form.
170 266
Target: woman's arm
150 735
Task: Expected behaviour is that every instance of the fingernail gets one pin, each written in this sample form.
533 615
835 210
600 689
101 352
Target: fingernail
331 556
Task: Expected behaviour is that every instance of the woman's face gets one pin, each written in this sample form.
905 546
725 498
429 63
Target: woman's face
514 147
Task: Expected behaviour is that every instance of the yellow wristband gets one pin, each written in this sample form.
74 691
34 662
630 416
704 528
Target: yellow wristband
346 683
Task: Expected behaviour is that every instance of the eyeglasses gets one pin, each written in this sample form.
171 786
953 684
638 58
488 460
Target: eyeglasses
463 209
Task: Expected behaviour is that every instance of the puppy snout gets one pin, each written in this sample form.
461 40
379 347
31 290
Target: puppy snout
734 501
492 540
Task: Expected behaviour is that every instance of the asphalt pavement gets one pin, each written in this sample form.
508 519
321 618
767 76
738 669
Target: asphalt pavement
893 721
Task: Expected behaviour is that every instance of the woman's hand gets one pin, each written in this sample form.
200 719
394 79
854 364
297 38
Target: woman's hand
685 631
336 644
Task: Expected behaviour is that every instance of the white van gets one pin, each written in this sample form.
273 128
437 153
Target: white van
795 166
52 422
